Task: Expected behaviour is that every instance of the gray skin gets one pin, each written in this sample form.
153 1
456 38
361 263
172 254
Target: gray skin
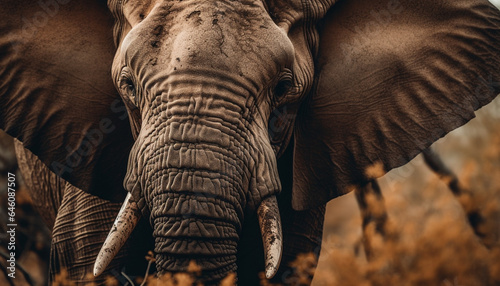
213 91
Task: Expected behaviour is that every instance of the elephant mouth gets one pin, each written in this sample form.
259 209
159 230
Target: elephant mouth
129 214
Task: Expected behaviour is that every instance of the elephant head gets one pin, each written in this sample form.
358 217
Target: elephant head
214 91
200 84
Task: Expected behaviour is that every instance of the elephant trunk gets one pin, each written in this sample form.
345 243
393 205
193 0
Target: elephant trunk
194 190
212 246
197 167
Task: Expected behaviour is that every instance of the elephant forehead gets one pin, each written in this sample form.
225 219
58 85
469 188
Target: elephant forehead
133 13
244 23
239 38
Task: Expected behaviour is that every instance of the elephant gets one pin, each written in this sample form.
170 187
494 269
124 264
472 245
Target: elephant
224 127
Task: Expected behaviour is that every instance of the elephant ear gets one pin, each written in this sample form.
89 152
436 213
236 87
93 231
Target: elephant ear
392 78
56 93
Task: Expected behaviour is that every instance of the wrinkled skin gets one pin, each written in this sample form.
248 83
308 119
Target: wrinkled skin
202 160
213 91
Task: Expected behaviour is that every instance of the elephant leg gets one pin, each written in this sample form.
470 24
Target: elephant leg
80 223
302 230
463 195
46 189
302 235
80 228
373 214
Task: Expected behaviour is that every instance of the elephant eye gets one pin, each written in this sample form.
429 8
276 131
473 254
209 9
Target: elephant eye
127 88
283 86
282 89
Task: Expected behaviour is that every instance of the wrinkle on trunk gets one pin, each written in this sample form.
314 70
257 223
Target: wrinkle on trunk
196 180
195 218
199 164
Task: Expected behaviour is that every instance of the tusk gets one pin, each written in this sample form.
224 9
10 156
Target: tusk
124 224
270 228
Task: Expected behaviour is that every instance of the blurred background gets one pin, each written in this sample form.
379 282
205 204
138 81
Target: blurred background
435 244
